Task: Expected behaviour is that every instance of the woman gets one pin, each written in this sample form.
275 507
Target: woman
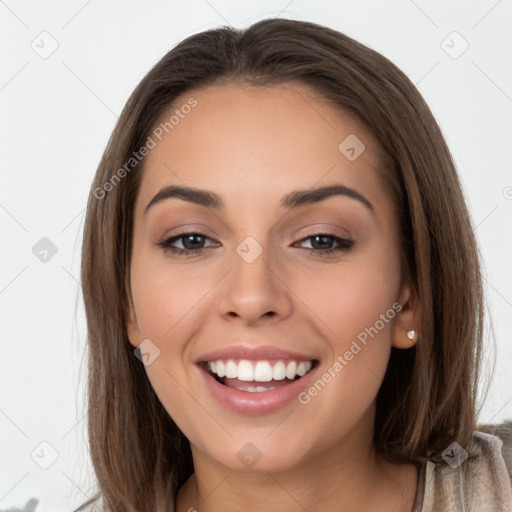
283 289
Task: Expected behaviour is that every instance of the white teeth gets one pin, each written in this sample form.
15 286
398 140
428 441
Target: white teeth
259 371
304 367
279 371
231 369
291 370
221 370
263 372
245 371
258 389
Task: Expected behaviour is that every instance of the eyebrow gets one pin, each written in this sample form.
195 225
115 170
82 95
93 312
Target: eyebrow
294 199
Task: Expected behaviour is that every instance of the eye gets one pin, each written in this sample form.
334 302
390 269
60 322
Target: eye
192 243
321 244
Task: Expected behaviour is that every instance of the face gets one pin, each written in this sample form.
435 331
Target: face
295 296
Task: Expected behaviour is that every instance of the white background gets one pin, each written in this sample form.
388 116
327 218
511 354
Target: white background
57 114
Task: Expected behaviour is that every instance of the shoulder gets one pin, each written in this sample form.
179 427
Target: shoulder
473 478
503 432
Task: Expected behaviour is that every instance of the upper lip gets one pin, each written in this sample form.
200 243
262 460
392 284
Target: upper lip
254 353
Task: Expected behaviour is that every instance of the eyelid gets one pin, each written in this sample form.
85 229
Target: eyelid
322 230
189 229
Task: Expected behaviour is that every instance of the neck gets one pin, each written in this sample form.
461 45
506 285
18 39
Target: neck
350 477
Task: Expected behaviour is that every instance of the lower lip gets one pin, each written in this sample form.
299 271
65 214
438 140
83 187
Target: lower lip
257 403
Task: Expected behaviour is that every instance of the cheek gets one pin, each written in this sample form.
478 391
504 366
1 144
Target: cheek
357 317
348 300
170 303
166 297
356 308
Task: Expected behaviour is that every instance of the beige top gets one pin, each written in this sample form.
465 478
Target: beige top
481 485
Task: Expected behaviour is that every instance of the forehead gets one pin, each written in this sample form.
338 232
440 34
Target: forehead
251 142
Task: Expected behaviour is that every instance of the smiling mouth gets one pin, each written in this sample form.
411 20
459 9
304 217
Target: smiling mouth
257 376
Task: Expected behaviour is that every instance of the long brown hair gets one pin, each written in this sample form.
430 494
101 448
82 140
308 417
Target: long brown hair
428 397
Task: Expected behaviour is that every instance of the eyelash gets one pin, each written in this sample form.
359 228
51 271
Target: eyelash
345 245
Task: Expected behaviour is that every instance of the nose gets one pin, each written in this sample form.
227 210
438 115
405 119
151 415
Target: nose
255 291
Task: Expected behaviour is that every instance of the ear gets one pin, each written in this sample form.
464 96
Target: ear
131 325
408 318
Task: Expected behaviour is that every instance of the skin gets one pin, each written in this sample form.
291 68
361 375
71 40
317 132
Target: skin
252 146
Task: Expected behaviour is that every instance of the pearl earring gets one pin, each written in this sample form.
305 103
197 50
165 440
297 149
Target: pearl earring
411 334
